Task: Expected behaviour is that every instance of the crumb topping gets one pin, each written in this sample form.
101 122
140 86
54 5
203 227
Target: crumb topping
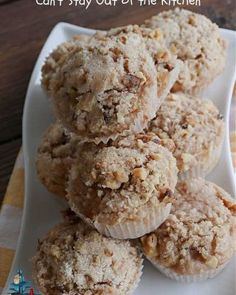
58 142
55 155
58 57
196 41
101 88
200 232
194 125
104 87
114 182
166 62
75 259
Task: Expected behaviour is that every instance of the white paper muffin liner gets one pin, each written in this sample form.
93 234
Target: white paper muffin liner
188 278
172 79
138 125
135 229
203 168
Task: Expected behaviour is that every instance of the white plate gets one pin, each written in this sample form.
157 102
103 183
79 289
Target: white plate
42 211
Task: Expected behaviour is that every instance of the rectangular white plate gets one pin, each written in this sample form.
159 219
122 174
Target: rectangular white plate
42 211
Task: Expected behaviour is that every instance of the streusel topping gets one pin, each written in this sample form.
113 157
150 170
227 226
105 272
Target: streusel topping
194 125
196 41
166 62
104 87
75 259
200 232
54 158
112 183
58 57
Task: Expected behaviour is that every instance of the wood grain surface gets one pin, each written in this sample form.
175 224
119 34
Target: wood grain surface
24 27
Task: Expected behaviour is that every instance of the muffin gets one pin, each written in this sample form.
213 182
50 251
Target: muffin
199 236
105 88
197 130
167 64
123 190
197 42
55 155
58 56
75 259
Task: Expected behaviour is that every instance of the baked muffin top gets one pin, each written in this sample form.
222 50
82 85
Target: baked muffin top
196 41
166 62
99 90
55 155
194 125
113 183
75 259
58 142
103 88
199 234
57 58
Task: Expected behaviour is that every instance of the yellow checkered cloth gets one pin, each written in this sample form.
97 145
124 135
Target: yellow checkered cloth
10 218
11 213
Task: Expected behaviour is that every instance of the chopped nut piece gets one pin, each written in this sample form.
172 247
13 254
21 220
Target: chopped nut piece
55 251
108 252
156 34
140 173
212 262
149 244
155 156
121 176
141 76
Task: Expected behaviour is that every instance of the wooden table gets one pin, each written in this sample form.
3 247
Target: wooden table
24 27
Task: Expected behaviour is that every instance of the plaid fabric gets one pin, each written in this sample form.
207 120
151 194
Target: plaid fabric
10 218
